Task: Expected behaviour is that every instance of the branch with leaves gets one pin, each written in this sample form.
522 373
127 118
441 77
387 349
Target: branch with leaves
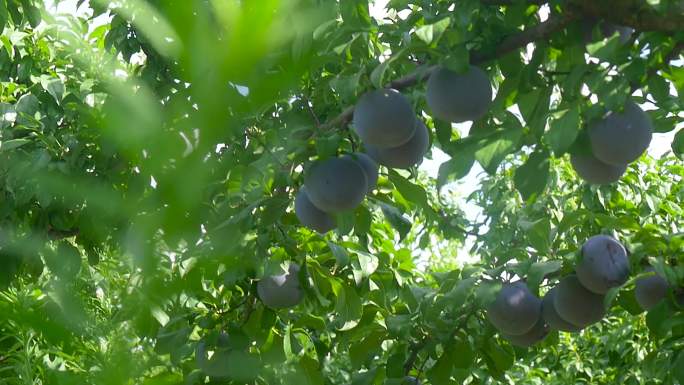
641 18
509 44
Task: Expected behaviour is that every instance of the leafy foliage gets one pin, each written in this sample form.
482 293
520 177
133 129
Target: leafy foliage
149 163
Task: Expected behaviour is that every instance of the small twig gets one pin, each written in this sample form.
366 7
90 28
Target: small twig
311 111
250 309
415 349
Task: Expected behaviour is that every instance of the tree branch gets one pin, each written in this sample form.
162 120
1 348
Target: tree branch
509 44
632 13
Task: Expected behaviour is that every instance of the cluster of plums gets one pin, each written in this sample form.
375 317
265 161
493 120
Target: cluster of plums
576 302
392 136
332 186
617 139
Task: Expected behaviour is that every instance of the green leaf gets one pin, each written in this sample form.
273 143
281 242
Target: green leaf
440 373
460 164
367 262
4 15
8 46
532 177
12 144
368 347
310 321
538 233
464 355
486 291
55 87
345 222
411 192
378 74
539 270
6 110
340 253
396 219
656 317
326 146
443 132
678 367
287 344
605 49
458 295
27 104
365 378
160 315
494 148
627 300
355 13
244 366
563 130
31 13
534 107
348 307
458 59
499 359
311 370
431 33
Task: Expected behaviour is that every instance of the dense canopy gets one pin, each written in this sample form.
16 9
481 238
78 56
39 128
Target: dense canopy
336 192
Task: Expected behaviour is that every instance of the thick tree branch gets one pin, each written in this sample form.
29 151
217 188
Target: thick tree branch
509 44
632 13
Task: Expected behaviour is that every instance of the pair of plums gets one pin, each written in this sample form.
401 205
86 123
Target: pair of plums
575 303
334 185
617 139
391 133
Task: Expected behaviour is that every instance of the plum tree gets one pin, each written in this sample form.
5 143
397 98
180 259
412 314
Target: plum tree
310 215
592 170
515 309
649 291
604 264
551 316
369 166
406 155
384 118
282 290
576 304
458 97
621 136
336 184
538 332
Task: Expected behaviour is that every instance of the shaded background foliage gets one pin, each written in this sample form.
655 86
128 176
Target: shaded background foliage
149 164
